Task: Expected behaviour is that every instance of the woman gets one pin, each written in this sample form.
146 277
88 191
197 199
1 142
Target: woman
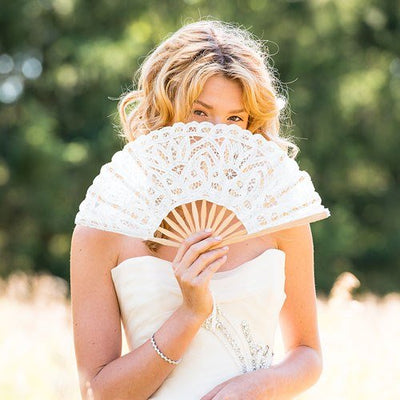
206 71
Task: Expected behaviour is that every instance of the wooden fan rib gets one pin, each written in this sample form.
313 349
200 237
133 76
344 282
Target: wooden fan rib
218 219
229 231
211 216
188 218
170 234
182 222
195 216
166 242
237 237
176 227
226 221
203 215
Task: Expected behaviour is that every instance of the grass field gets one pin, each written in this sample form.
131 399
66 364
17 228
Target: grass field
360 340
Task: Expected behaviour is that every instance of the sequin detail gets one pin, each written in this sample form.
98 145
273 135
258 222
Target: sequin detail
254 356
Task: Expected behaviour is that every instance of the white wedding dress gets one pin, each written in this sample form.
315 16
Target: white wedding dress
237 337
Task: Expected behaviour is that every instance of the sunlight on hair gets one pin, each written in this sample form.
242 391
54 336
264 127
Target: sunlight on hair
172 76
281 103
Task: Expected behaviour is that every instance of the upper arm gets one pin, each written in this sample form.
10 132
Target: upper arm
95 310
298 318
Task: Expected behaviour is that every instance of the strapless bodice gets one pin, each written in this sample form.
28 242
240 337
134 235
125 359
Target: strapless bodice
237 337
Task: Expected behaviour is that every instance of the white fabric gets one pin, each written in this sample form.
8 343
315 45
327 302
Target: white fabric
148 293
224 164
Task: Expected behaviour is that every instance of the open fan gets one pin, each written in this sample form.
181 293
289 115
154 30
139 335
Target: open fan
198 168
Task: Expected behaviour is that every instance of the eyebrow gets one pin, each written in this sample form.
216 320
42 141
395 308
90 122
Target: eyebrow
210 107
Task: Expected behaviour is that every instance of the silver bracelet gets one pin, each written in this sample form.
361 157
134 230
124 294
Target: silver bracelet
161 354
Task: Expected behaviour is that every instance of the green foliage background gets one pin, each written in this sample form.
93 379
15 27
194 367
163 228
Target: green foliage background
339 59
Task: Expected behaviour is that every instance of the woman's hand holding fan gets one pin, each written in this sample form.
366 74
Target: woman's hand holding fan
194 265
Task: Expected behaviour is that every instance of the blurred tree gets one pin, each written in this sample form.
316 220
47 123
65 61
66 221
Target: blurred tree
62 60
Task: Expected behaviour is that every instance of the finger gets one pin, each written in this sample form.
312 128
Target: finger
204 261
194 238
195 250
207 273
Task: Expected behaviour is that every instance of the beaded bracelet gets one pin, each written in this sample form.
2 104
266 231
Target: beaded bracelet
161 354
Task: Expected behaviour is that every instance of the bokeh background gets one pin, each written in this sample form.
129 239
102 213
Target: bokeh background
63 65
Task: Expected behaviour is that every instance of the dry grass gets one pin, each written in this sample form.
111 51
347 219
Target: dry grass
361 351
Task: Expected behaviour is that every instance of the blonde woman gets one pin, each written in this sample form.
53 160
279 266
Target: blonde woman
206 71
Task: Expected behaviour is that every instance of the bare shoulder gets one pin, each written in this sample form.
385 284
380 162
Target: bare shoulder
89 243
290 240
110 246
92 236
297 239
297 244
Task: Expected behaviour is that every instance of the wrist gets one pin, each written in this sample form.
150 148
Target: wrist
191 317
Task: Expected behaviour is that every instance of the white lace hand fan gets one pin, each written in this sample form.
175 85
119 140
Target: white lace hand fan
176 167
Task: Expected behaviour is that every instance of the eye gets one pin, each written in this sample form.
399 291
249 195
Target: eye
238 118
198 111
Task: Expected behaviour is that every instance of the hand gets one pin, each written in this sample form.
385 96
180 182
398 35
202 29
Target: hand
194 266
255 385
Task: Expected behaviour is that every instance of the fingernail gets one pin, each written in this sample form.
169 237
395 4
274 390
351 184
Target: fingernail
217 237
208 230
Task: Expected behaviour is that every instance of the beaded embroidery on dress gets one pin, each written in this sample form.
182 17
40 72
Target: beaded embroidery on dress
260 355
251 177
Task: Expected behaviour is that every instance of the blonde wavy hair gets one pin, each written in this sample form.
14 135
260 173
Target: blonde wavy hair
172 76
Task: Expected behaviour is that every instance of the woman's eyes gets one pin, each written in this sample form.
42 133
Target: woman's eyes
233 116
238 118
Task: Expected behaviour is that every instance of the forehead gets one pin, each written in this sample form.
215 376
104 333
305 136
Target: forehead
220 90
